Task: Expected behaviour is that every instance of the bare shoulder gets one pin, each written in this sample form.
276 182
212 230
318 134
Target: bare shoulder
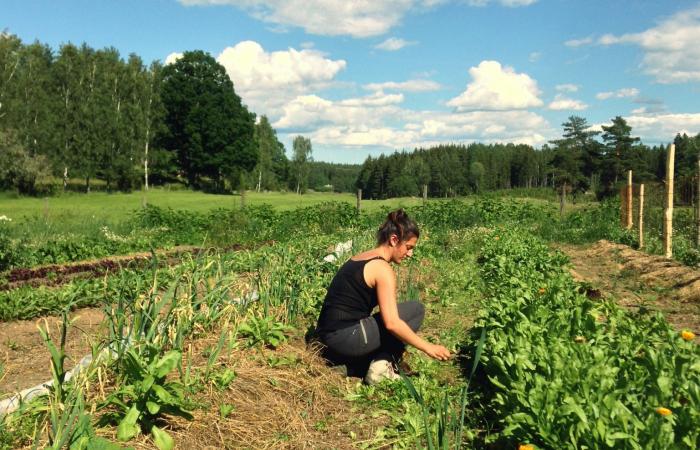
364 255
378 270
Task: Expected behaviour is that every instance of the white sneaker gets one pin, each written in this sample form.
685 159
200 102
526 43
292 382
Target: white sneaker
379 370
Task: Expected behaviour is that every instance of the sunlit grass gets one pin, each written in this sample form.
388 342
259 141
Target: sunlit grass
111 208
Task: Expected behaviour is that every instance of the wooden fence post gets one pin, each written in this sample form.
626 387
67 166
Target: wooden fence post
425 194
359 199
641 216
562 200
697 237
668 213
628 225
243 199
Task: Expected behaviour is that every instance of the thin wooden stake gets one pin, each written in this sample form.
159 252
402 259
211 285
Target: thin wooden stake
425 194
641 216
697 237
562 200
668 213
359 200
628 225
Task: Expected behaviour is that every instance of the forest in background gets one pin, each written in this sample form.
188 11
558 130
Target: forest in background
583 160
80 118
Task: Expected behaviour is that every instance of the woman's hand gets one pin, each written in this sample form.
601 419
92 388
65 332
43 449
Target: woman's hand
437 352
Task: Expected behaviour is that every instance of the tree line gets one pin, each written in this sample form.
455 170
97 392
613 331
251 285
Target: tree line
81 113
582 160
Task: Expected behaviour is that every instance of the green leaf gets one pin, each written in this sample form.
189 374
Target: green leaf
127 428
162 394
665 384
147 383
100 443
152 407
162 439
167 363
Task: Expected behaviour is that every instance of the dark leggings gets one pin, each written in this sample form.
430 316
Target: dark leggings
369 338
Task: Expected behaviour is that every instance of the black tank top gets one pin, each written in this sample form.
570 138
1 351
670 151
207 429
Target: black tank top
348 299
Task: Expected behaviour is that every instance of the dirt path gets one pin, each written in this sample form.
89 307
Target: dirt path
636 279
25 357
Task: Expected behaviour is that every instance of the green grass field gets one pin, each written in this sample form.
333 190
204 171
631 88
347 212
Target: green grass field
111 208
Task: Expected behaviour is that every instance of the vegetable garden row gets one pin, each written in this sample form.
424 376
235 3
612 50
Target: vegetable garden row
553 369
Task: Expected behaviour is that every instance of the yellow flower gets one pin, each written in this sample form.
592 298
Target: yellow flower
526 447
579 339
687 335
495 238
663 411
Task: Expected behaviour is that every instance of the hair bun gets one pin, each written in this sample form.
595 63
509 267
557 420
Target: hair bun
397 222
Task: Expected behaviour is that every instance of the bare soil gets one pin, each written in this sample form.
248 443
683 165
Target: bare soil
636 279
25 357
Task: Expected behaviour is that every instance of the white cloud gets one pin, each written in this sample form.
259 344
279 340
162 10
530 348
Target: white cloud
268 80
171 58
495 87
509 3
579 42
514 3
407 86
309 111
362 18
567 87
358 122
671 50
376 99
664 127
392 44
620 93
563 103
656 128
534 57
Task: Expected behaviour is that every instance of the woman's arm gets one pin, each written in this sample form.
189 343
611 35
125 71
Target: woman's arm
385 284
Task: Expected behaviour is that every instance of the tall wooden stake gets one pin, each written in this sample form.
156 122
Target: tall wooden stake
641 216
668 213
628 225
425 194
562 200
697 237
359 199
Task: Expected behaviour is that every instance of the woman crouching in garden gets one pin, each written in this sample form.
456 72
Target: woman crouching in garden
346 325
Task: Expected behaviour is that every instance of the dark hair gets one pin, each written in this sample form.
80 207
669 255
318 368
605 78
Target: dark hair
398 223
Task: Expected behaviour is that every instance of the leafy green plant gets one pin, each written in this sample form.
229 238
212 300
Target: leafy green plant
263 331
225 410
144 395
562 371
69 423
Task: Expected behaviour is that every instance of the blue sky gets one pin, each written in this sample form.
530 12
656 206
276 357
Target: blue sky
365 77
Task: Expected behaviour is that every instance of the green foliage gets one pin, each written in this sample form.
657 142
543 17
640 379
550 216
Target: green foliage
144 394
264 331
300 163
207 124
562 371
18 169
